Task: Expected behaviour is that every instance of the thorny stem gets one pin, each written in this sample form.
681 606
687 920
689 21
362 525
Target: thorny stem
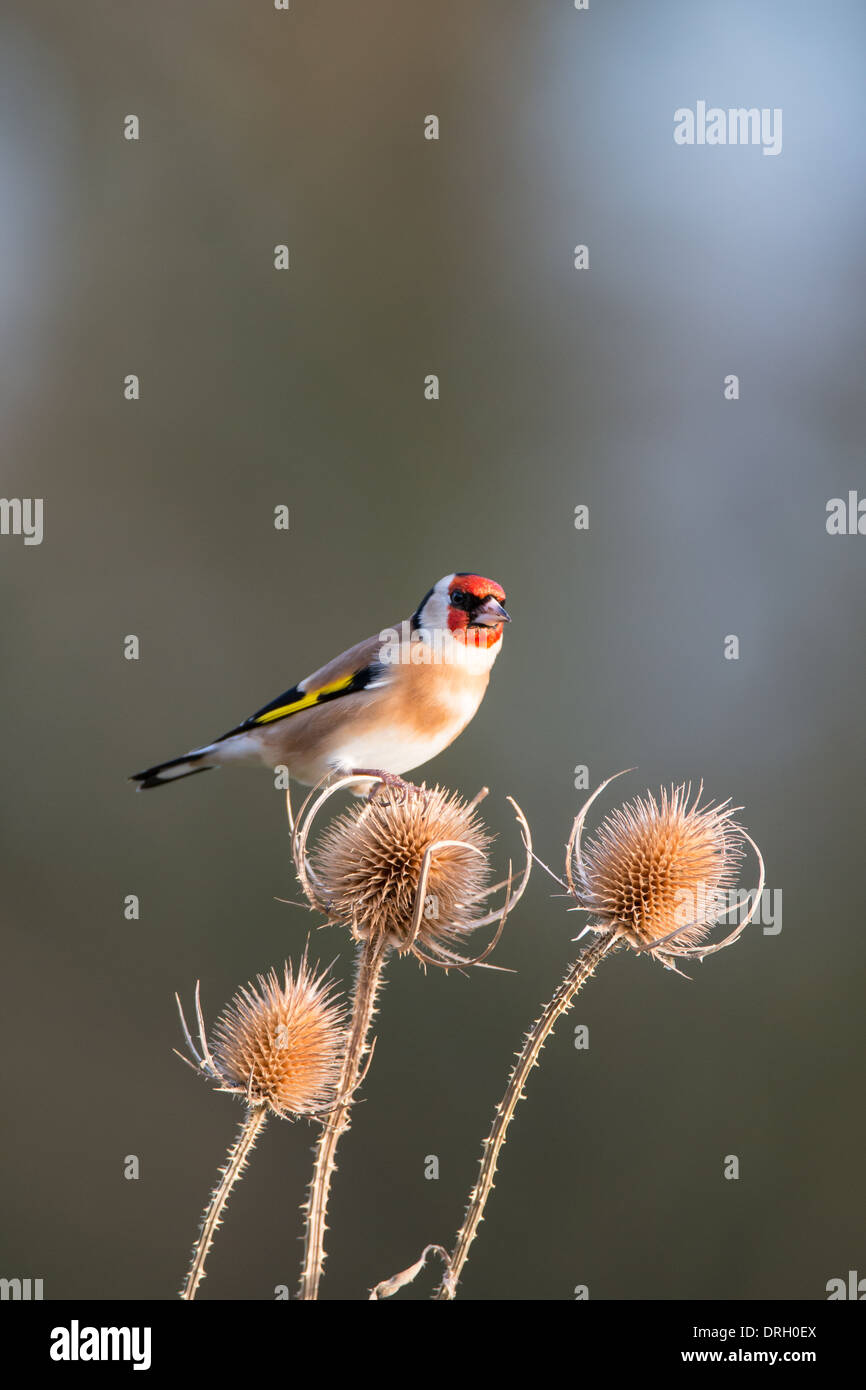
234 1165
371 958
561 1001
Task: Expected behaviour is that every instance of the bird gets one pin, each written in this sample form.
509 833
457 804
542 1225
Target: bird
382 708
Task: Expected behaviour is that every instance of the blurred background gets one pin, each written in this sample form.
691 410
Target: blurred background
558 388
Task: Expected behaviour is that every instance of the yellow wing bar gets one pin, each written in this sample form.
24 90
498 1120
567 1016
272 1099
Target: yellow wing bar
308 698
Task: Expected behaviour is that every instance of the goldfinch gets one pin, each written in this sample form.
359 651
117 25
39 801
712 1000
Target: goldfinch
385 706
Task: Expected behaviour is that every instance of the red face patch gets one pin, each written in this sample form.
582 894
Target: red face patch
476 585
475 636
472 586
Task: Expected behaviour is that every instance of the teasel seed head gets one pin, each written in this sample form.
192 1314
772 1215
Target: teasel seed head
408 868
278 1043
659 871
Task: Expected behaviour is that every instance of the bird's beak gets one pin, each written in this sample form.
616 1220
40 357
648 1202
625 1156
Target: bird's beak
489 614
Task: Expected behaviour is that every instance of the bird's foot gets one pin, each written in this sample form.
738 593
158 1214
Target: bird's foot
382 779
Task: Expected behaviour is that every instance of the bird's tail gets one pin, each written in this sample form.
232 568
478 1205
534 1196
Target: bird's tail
171 771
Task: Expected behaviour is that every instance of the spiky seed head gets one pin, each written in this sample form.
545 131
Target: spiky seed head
280 1044
368 866
656 865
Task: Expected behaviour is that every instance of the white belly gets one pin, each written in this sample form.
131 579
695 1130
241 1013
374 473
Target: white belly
388 750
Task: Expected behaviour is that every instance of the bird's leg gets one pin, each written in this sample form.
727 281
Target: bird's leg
388 779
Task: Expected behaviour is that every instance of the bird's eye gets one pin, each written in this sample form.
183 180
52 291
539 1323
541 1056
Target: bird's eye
458 599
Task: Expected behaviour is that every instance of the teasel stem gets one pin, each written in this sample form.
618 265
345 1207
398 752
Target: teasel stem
584 966
234 1165
371 958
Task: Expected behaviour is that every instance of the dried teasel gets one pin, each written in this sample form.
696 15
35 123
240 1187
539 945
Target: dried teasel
406 871
659 871
278 1044
408 868
655 877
